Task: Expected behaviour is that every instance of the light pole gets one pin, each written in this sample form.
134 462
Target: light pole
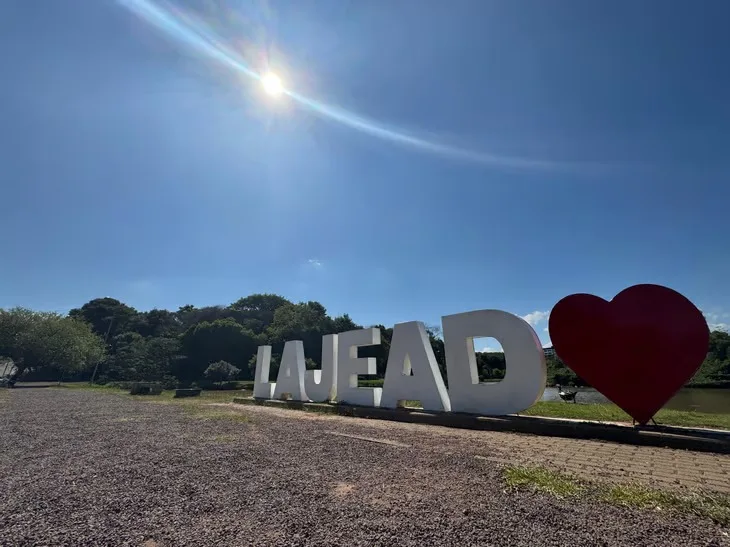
106 336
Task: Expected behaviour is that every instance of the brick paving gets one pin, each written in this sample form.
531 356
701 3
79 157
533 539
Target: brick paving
586 459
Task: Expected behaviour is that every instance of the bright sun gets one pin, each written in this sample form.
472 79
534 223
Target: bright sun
272 84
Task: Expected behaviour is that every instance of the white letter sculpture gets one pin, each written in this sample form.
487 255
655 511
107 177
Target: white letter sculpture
291 372
350 365
321 385
411 350
262 388
525 374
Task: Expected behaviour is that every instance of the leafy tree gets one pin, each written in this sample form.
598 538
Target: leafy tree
221 371
220 340
189 316
306 321
490 365
138 358
156 323
128 361
256 312
342 323
715 370
105 314
156 344
48 341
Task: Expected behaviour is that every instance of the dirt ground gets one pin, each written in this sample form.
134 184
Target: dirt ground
86 468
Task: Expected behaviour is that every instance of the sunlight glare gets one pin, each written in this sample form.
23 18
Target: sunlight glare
272 84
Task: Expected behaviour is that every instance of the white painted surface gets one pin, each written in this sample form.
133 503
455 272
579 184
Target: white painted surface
262 387
321 385
525 375
410 350
291 372
350 366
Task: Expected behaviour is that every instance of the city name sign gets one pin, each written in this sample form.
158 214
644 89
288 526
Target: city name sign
412 372
637 349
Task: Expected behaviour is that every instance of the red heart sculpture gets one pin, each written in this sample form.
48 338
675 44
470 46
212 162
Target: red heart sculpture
638 349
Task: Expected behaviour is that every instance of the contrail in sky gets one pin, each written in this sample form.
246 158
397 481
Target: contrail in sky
198 36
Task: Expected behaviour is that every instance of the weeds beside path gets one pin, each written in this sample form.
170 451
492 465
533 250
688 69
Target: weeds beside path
636 496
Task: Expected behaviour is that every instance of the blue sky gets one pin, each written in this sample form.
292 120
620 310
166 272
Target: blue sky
429 158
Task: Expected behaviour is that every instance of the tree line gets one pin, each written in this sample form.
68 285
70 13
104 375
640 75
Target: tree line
114 342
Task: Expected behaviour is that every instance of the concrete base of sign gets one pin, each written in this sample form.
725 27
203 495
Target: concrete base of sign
703 440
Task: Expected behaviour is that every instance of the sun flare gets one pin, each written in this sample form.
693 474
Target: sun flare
272 84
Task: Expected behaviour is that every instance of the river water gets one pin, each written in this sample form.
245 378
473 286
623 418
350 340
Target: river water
714 401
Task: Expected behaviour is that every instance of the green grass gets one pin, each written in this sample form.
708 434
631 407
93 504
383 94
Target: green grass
714 507
606 412
544 480
195 407
225 438
611 413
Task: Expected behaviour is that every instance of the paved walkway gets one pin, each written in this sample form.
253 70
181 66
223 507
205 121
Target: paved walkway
587 459
614 462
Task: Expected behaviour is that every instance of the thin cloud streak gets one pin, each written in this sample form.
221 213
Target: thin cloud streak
198 36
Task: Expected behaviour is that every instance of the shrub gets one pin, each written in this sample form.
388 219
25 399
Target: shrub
221 371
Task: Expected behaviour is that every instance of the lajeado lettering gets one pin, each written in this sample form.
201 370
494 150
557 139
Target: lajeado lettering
662 335
412 372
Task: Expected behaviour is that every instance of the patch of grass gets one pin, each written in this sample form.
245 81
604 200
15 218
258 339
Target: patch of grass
225 438
543 480
195 407
715 507
200 412
90 387
611 413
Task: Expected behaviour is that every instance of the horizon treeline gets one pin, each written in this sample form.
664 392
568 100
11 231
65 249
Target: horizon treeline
177 347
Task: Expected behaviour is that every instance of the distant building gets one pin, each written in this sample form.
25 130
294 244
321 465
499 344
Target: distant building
549 352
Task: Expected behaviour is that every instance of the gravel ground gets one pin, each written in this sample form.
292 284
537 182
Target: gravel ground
86 468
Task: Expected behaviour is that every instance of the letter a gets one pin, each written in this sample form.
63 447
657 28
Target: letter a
411 351
291 372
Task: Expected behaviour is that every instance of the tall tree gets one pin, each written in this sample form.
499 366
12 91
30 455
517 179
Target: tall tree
44 340
156 323
220 340
101 313
256 312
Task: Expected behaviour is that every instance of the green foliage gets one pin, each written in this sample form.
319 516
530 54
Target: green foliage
221 371
559 373
43 340
715 507
178 346
100 313
545 480
135 357
608 412
220 340
716 368
490 366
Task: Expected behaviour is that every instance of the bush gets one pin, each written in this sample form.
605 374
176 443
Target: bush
169 382
221 371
